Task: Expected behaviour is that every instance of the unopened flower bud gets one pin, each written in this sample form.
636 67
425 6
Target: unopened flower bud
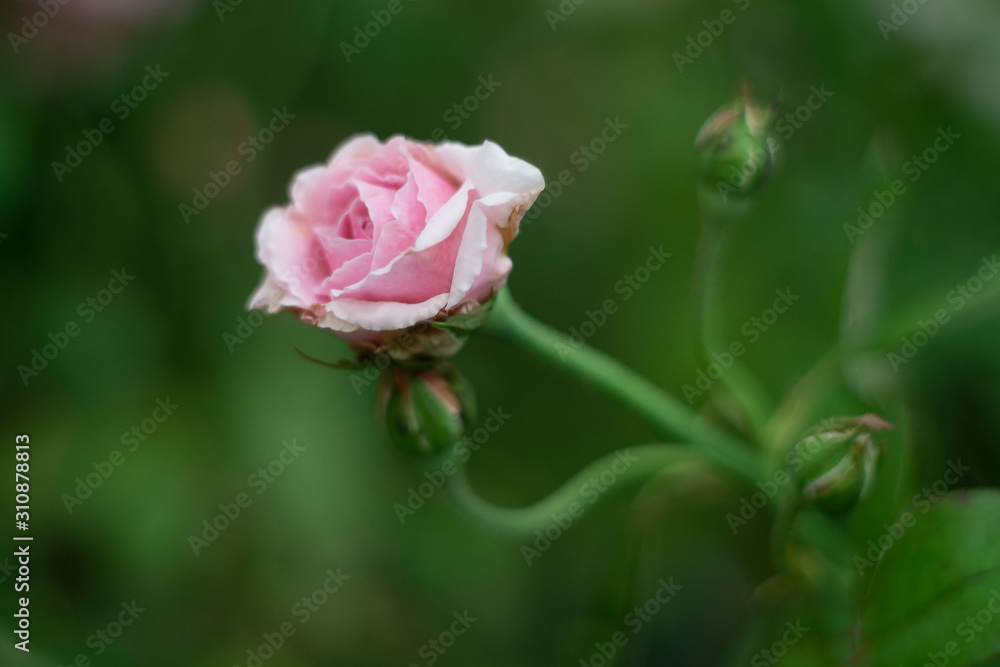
840 462
426 410
734 147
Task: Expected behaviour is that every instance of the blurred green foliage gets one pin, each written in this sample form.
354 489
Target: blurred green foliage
165 335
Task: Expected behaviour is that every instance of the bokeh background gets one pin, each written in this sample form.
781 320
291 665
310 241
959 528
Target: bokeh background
563 69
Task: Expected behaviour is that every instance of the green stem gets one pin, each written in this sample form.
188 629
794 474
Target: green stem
717 219
631 467
665 414
781 531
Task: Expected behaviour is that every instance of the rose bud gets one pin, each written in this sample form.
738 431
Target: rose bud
426 410
386 239
734 148
840 462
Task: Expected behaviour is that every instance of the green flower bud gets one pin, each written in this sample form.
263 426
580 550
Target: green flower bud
426 409
734 148
840 462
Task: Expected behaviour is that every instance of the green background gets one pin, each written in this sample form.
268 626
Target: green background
165 335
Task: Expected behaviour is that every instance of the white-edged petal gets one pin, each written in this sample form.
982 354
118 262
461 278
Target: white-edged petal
386 315
469 262
490 168
445 220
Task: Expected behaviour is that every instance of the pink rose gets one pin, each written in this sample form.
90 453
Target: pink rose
387 235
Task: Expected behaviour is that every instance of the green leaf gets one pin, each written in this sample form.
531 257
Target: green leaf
935 595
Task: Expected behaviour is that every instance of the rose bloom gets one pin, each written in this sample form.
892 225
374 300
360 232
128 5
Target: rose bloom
385 236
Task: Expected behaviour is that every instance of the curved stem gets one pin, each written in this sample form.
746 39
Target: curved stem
631 467
665 414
